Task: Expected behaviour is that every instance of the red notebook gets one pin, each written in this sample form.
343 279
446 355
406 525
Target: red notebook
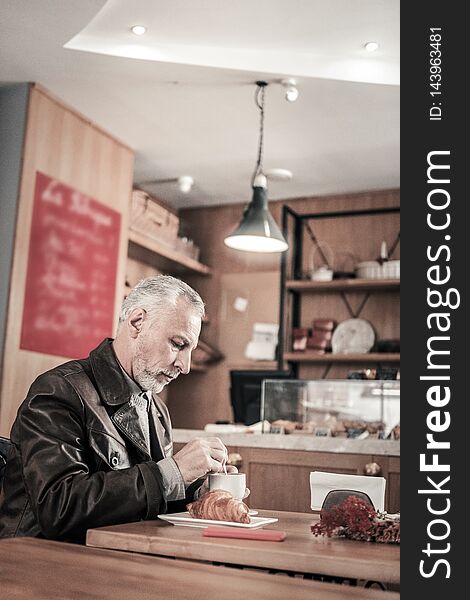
268 535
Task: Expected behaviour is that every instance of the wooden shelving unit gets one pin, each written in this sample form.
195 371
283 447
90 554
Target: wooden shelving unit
343 285
294 288
370 357
166 256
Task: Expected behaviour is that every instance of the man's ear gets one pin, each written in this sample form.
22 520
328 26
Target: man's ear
135 321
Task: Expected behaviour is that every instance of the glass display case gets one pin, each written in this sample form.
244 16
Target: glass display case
343 408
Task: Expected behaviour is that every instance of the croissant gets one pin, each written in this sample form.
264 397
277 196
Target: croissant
219 505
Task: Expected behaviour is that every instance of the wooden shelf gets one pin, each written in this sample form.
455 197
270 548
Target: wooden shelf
370 357
253 365
170 257
340 285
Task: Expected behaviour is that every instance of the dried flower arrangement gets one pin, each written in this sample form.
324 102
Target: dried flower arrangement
355 519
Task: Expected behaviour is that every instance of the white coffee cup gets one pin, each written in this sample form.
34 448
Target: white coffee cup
235 483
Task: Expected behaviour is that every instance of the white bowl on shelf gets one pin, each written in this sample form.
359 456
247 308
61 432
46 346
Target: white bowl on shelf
322 274
372 269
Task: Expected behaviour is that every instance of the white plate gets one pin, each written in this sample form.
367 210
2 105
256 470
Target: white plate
183 518
353 336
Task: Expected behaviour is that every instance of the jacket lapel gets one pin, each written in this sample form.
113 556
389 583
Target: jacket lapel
129 412
132 421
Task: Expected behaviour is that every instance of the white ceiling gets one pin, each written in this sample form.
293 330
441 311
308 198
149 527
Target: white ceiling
186 104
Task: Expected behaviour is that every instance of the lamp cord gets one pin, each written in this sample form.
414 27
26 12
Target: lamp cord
259 101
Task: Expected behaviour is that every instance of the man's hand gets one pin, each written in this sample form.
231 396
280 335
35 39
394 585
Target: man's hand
205 486
199 457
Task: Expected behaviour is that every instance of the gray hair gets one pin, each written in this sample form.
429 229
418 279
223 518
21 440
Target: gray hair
157 293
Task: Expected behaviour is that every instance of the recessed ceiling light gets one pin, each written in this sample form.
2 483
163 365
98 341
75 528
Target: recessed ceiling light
371 46
138 29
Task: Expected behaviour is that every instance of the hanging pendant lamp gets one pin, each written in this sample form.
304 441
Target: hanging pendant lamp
258 231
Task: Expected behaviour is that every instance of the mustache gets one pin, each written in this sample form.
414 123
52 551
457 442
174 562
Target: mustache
172 374
154 374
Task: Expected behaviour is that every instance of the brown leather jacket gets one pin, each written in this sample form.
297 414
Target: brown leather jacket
79 457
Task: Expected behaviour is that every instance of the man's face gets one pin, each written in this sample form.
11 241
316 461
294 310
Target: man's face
164 346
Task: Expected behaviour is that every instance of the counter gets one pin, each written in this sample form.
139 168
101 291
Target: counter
278 466
295 442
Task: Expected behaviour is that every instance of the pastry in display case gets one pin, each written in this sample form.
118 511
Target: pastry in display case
339 408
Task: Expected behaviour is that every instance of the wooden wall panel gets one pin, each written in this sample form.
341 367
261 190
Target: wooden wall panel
261 290
66 146
204 397
201 398
390 466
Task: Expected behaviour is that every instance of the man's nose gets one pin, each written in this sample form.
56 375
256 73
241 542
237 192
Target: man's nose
183 362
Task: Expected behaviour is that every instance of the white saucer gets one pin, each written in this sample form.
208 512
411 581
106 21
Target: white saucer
183 519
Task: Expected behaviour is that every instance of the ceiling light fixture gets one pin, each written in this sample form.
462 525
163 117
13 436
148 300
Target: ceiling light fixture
278 174
291 91
258 231
185 183
371 46
138 29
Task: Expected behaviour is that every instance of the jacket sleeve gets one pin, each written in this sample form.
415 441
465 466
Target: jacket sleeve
65 496
180 505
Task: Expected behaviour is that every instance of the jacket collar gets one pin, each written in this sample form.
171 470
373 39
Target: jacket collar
108 374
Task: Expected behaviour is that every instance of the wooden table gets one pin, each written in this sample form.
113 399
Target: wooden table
300 552
33 569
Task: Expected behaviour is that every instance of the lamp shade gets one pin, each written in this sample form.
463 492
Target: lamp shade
258 231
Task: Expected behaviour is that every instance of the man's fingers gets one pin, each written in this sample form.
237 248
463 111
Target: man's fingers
216 443
215 466
210 453
218 455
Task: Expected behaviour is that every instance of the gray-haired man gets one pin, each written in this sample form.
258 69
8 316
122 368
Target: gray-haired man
92 444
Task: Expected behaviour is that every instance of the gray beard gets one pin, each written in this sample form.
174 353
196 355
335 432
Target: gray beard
148 382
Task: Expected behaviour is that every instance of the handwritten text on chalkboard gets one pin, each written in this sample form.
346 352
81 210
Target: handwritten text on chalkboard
71 274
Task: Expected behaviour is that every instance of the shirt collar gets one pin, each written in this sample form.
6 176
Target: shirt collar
136 390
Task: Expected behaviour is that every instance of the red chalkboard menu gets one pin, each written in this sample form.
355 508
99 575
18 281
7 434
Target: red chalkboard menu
71 274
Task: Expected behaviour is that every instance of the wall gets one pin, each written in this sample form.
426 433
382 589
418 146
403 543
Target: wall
201 398
68 147
13 105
